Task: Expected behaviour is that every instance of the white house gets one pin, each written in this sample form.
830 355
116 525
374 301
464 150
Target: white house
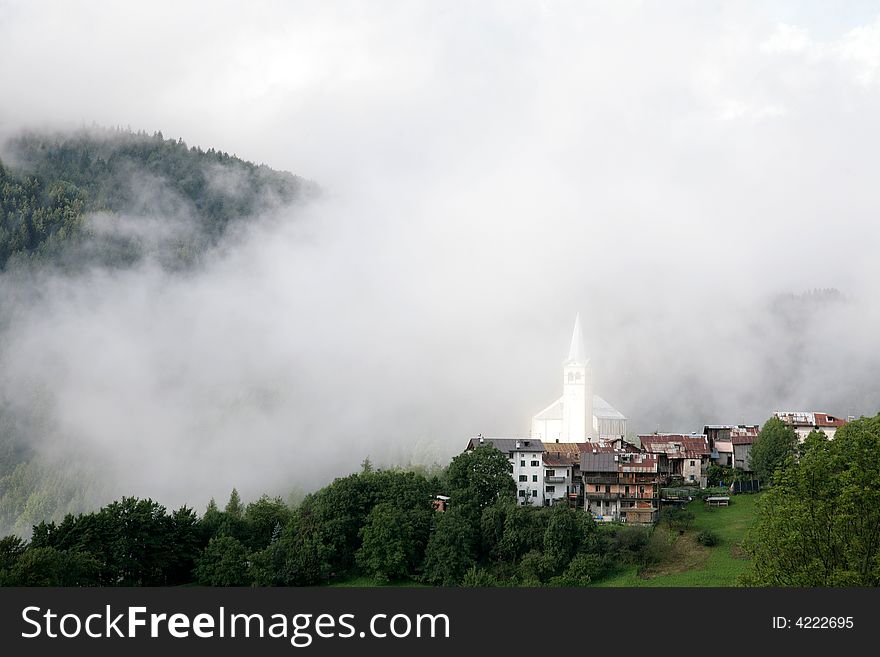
804 422
579 415
526 465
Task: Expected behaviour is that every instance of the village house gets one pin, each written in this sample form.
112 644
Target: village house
621 486
562 473
684 456
804 422
526 465
720 437
742 450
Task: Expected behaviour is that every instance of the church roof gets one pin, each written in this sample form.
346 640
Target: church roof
576 352
603 409
552 412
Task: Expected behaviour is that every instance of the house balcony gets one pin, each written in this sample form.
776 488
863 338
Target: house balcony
554 480
602 496
600 480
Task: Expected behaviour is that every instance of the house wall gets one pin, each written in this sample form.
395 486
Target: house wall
561 489
724 451
630 492
691 470
741 457
802 432
534 474
603 509
609 428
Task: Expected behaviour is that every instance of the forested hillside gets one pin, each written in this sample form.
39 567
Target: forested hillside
375 524
111 199
49 183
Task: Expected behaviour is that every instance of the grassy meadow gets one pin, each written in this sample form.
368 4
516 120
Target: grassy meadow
685 562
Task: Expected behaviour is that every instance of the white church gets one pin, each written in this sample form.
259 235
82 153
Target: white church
579 415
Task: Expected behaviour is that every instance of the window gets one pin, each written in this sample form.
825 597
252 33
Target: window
523 478
522 464
550 489
607 489
534 493
522 493
534 477
598 488
641 489
550 473
691 477
536 464
626 490
693 463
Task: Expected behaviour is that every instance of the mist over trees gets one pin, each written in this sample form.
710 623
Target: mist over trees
50 181
151 308
818 525
105 199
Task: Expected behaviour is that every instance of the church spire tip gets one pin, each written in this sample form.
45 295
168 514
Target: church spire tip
576 352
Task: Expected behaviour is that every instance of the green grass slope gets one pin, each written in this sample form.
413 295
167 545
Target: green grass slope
684 562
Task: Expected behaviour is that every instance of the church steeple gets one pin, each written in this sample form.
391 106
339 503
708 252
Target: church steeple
577 390
576 352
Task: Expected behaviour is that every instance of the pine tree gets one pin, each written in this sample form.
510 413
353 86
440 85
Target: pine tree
234 506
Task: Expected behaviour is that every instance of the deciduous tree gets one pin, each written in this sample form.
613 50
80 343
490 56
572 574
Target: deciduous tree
775 445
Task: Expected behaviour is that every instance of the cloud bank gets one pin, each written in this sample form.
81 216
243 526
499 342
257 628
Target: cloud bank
665 169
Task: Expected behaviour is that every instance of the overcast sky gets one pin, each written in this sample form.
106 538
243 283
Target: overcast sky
490 169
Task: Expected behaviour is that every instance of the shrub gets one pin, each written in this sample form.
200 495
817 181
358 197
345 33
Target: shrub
582 571
535 569
629 543
478 578
658 549
677 518
707 538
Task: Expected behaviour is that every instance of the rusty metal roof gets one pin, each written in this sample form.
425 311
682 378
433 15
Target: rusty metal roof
618 462
676 445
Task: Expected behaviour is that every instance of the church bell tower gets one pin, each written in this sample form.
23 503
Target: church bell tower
577 386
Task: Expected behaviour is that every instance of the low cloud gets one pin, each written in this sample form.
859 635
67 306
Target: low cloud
487 173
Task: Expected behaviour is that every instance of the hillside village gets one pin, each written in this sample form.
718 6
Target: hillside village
578 454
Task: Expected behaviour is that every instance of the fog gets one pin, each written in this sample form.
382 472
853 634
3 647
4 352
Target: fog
488 170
